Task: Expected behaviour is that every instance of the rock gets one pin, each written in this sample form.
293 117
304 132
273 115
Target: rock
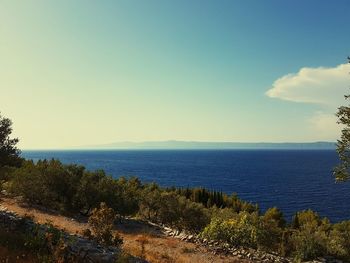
167 229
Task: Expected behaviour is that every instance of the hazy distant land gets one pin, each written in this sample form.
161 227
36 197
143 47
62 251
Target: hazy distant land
163 145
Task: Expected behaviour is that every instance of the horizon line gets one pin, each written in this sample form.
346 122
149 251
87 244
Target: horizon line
113 146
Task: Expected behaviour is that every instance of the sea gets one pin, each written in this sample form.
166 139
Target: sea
292 180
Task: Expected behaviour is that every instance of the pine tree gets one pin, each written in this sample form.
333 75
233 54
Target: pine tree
341 172
9 154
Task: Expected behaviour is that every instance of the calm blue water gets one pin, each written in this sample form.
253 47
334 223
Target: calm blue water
289 179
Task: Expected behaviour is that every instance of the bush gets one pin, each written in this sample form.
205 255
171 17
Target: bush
49 183
339 243
310 237
69 188
194 217
271 226
150 202
102 224
242 229
41 244
274 216
172 209
309 244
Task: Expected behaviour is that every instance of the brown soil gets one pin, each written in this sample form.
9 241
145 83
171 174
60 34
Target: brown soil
140 239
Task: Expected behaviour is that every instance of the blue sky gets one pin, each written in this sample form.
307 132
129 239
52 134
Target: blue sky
88 72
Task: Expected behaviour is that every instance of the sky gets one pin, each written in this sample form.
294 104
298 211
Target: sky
76 73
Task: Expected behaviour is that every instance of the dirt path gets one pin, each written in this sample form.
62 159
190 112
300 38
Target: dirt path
139 239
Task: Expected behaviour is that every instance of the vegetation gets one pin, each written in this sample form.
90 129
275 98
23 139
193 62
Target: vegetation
213 215
34 245
9 154
314 237
215 198
72 189
341 172
102 224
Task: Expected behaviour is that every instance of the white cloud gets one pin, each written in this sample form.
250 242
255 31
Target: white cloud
324 87
321 85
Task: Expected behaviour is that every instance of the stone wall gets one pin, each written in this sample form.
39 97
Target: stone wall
241 252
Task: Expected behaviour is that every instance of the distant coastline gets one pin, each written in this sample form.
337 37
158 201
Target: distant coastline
197 145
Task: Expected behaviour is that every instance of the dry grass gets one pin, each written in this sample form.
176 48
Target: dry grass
140 239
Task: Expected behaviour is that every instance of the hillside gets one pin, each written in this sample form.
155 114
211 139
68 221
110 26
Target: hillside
140 239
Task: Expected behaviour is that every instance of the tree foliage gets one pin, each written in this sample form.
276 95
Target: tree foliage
102 224
342 170
9 153
170 208
210 198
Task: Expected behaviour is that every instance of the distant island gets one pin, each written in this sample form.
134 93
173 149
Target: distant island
173 144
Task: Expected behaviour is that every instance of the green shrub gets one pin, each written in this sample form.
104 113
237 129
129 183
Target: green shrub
271 228
172 209
339 241
194 217
43 243
309 244
275 216
247 229
310 238
150 202
242 229
102 224
49 183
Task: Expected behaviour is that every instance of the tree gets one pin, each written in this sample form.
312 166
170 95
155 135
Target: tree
341 172
9 154
88 193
